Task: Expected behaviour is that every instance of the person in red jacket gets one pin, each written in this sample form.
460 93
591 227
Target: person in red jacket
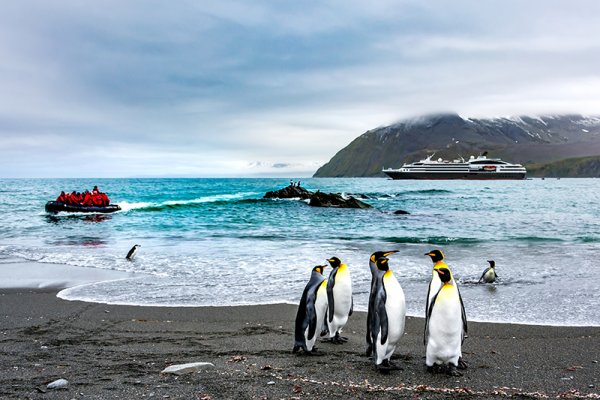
87 199
62 198
105 199
97 199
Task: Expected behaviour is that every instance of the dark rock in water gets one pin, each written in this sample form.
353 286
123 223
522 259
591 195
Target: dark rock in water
289 192
320 199
359 196
401 212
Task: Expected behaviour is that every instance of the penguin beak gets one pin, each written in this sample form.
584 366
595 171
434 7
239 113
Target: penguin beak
390 252
429 254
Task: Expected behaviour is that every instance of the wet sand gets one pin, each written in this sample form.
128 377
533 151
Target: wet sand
118 352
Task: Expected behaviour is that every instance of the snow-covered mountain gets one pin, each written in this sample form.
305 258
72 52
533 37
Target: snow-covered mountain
523 139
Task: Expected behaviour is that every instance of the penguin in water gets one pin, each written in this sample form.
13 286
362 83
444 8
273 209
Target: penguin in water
373 267
489 275
444 330
132 252
387 311
311 311
339 299
434 285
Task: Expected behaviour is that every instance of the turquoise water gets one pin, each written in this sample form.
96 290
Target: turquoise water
217 242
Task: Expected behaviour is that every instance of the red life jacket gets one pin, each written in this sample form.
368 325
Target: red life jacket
105 199
97 200
87 199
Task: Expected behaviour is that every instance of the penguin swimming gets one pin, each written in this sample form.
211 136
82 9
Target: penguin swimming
132 252
434 286
339 299
373 267
311 311
444 329
489 275
387 311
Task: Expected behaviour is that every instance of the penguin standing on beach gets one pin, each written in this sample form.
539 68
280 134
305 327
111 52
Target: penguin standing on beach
311 311
132 252
444 330
339 298
387 314
374 272
489 275
434 286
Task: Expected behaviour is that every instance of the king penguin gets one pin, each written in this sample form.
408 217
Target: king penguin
132 252
339 299
388 311
434 286
311 311
489 275
373 267
444 329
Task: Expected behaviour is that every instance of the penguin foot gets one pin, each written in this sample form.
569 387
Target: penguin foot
462 364
384 367
340 339
452 371
394 366
434 369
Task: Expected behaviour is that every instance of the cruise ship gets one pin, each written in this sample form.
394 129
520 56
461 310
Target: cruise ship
479 167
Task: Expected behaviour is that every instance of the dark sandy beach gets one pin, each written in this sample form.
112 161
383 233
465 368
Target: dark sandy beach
118 352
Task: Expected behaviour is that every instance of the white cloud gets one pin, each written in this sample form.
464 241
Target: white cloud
205 89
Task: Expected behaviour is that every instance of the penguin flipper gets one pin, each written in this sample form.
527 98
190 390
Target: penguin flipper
311 315
301 324
330 301
463 315
383 321
427 306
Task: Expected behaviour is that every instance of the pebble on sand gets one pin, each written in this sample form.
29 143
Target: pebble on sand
58 384
181 369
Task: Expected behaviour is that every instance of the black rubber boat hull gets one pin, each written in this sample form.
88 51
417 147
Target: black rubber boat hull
55 206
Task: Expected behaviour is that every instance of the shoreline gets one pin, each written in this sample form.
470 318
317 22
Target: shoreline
117 351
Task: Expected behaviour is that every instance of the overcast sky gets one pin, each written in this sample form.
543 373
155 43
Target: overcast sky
269 88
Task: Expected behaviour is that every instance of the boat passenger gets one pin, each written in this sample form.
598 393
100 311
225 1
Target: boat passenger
105 199
62 198
87 199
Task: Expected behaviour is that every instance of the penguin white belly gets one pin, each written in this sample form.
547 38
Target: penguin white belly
395 308
342 295
444 331
320 310
489 276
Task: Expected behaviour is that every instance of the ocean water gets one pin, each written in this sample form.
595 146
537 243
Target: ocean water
218 242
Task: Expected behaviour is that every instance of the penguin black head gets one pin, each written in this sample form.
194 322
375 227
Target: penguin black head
334 262
492 263
444 274
382 264
378 254
319 269
436 255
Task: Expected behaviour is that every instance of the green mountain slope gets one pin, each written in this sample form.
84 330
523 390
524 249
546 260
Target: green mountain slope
523 140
